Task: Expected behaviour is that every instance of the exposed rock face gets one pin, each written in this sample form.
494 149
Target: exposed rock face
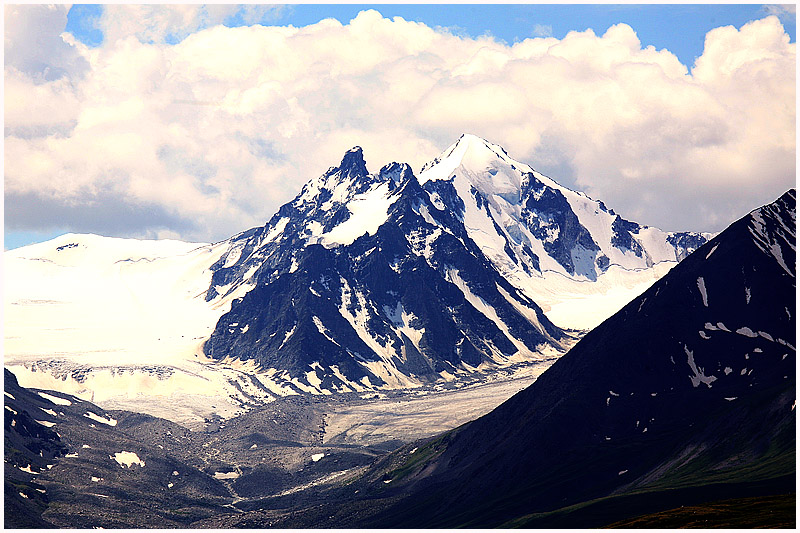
389 279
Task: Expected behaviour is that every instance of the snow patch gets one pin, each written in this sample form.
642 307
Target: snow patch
313 379
226 475
698 375
276 230
286 337
107 421
127 459
46 424
317 456
701 285
323 330
747 332
368 212
54 399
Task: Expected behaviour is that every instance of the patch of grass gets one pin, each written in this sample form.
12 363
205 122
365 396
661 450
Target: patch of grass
778 459
614 509
774 512
418 459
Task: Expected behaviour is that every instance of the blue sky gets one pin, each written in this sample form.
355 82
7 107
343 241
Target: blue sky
680 28
136 139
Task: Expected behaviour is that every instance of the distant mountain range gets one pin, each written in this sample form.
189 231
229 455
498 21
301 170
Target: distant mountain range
364 281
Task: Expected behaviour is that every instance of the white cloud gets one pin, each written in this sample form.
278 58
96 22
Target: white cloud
156 23
33 43
542 30
783 11
225 126
159 23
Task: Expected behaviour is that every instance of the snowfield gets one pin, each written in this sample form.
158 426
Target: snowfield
119 322
108 300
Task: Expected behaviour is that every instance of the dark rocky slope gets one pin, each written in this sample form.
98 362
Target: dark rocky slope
685 396
690 385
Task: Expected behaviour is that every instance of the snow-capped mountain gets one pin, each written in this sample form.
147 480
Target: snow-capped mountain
392 280
685 395
363 281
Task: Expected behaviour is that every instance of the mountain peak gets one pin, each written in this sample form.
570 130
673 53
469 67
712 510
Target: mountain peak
353 162
471 138
472 147
484 165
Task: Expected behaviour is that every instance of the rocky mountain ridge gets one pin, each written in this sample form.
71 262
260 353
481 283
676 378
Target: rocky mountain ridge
395 280
364 281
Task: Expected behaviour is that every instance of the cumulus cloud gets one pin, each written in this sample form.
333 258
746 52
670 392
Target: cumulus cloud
34 44
211 134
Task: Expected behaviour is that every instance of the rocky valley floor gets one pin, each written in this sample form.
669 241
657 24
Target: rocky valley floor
98 468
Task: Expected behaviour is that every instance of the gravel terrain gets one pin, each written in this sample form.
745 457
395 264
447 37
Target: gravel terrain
116 468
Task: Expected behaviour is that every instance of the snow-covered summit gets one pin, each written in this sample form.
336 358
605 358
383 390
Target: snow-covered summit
488 166
530 226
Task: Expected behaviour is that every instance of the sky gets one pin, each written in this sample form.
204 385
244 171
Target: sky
197 122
